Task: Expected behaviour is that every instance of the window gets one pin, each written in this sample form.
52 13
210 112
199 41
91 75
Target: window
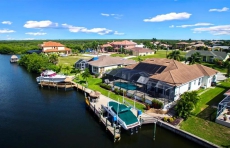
95 69
199 81
189 86
195 82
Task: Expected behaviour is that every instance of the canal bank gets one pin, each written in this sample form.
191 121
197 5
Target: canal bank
31 116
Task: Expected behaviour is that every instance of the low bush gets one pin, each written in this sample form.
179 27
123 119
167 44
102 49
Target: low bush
157 104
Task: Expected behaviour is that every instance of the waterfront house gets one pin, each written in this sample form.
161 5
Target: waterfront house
99 65
165 78
54 47
138 51
209 56
81 64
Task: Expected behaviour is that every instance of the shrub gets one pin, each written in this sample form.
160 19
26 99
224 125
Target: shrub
170 119
165 119
157 104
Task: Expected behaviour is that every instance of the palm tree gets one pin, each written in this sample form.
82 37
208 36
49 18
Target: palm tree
227 65
187 103
195 57
174 55
139 59
86 74
77 72
53 58
68 69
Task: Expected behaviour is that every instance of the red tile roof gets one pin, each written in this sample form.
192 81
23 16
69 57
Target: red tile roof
52 44
125 42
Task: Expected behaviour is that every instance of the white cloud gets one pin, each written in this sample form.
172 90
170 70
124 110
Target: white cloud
116 16
7 22
172 26
215 30
40 24
118 33
6 31
36 33
105 14
100 31
219 10
169 16
28 39
194 25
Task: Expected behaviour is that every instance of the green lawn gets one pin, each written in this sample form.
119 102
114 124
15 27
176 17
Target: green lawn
207 130
159 54
93 83
70 60
202 123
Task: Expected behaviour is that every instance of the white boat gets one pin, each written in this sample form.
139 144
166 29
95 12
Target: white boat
124 115
50 76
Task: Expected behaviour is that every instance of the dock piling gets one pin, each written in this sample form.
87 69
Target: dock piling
154 131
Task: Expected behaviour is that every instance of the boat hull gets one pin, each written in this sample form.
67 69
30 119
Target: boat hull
47 79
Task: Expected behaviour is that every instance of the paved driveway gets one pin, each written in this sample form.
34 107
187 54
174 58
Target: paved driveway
220 77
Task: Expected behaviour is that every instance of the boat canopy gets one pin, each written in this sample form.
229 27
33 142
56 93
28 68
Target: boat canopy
123 112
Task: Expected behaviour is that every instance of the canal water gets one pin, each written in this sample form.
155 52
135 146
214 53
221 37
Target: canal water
40 117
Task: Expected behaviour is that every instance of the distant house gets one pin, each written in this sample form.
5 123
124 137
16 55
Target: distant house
99 65
81 64
54 47
138 51
182 45
116 45
209 56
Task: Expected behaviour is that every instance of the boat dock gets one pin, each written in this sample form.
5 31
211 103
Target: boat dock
99 104
114 129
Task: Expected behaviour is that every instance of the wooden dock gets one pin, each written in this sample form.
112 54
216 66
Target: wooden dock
112 128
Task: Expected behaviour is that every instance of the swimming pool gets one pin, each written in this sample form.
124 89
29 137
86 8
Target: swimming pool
125 85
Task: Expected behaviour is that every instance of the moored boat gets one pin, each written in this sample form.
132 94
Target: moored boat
51 76
14 59
124 115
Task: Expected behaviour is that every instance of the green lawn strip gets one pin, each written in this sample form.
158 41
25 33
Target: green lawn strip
208 130
159 54
211 97
70 60
93 83
119 55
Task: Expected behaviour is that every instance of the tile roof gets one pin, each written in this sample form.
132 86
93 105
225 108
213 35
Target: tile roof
141 50
172 71
182 43
125 42
105 60
52 44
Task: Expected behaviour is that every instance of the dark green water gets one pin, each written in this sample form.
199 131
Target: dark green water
35 117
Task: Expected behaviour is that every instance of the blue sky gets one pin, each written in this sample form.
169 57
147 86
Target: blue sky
114 19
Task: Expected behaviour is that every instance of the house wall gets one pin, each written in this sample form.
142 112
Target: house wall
61 48
194 85
103 69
